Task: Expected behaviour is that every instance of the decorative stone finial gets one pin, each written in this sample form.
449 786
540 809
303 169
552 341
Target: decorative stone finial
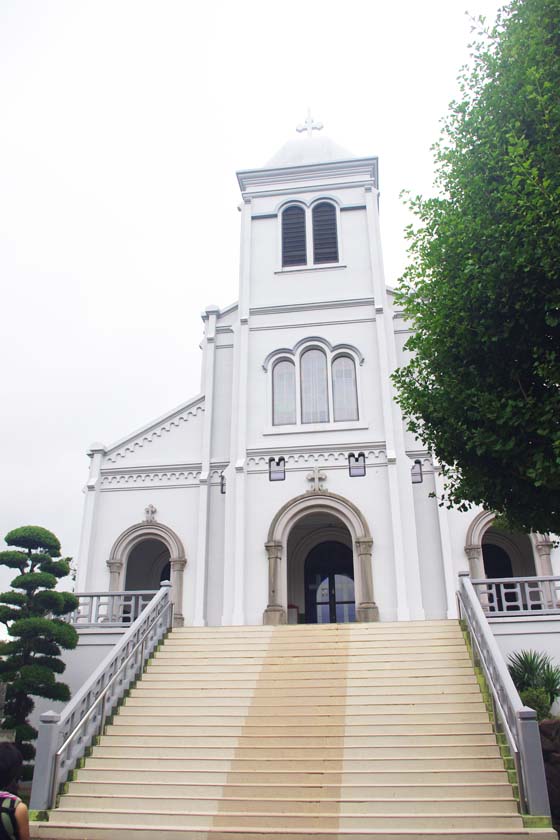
309 125
150 512
317 477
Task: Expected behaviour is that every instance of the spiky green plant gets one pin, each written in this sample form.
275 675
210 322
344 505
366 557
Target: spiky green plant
531 669
31 611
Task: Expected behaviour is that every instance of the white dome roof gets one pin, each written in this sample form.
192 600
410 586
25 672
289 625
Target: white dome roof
304 150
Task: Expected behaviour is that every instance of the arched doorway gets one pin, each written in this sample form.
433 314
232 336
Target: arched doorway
329 584
296 558
147 565
143 556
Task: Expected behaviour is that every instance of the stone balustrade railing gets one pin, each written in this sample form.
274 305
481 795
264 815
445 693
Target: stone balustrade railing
537 595
109 609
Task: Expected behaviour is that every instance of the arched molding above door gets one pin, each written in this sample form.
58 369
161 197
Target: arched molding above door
276 547
133 536
541 546
308 503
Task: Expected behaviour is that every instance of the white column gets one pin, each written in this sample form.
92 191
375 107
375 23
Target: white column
275 612
236 516
543 548
85 551
199 614
366 608
115 569
450 576
177 569
405 542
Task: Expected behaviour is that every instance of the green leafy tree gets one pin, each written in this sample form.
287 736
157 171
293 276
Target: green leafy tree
31 611
482 291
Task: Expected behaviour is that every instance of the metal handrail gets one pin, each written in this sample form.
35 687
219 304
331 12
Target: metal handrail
106 686
518 722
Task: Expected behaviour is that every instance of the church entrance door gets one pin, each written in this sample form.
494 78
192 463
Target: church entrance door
329 584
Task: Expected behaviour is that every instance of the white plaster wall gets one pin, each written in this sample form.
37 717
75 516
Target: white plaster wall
93 646
221 416
432 577
541 633
176 441
215 565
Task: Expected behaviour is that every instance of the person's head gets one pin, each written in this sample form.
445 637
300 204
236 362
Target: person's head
11 762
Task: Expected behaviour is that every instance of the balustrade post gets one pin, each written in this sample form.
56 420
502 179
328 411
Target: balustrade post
43 791
534 779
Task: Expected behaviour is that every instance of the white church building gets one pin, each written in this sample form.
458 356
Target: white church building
289 489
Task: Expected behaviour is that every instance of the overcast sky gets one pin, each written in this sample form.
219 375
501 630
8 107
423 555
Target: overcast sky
122 124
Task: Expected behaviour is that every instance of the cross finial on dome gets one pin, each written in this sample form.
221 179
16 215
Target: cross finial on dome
310 125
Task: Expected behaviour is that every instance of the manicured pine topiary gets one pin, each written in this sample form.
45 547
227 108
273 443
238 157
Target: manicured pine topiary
31 611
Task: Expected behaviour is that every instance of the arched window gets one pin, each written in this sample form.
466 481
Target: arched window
345 396
283 393
294 250
325 242
314 387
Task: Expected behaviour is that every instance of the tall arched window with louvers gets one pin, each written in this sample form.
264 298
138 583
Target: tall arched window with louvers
294 247
325 240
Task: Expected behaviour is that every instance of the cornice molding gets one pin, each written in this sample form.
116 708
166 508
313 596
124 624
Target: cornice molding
149 478
325 458
281 309
357 169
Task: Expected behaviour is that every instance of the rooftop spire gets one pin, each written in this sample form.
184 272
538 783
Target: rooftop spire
309 125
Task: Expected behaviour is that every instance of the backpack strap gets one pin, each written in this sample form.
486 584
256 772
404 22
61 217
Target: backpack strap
8 824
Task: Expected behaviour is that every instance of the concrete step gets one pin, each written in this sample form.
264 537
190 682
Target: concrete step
268 752
445 667
96 770
392 742
284 821
213 690
292 728
343 660
213 681
268 705
377 807
464 791
322 673
91 831
289 717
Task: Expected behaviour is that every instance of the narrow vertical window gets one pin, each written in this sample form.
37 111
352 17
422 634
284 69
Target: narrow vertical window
345 396
325 240
314 387
294 250
283 393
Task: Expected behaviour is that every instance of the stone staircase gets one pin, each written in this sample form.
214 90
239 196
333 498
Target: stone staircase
303 733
